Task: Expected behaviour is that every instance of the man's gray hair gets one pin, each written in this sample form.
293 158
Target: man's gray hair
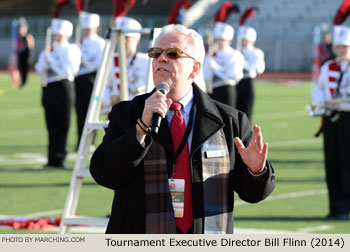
197 44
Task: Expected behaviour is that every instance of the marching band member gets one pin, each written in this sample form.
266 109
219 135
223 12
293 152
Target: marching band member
334 84
254 64
137 64
91 47
25 46
224 68
57 69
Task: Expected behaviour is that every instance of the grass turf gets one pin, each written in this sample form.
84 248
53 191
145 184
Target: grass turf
26 188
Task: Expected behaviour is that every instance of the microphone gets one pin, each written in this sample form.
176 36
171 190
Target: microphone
164 88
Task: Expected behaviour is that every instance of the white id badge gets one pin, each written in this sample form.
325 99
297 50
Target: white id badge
177 191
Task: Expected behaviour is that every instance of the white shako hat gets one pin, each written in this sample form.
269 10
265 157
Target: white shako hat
223 31
128 23
89 20
341 35
247 33
61 27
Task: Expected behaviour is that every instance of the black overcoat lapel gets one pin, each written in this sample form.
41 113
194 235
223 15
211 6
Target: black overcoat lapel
207 121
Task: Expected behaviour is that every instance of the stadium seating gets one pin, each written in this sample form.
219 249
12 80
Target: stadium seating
280 24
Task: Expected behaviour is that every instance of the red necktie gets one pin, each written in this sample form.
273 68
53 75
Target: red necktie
182 166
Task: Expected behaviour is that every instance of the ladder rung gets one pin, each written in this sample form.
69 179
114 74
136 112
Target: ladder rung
83 172
98 125
86 220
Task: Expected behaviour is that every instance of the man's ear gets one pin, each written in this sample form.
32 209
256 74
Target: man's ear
196 68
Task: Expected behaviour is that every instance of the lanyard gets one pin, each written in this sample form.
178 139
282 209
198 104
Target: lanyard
132 60
337 92
184 139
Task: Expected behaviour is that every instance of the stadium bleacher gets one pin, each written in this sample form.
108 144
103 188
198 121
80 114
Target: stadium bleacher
281 25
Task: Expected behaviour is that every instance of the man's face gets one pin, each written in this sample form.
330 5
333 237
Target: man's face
178 73
221 43
131 44
23 30
343 51
88 32
247 43
60 38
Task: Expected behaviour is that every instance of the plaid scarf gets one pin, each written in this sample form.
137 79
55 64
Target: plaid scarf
215 186
159 210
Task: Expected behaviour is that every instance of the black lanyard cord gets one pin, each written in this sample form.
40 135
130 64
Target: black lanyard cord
337 92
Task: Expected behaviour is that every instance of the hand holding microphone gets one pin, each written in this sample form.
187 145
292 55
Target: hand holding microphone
164 88
156 107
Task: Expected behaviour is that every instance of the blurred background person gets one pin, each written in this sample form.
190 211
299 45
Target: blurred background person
326 48
25 46
137 64
334 83
57 70
223 66
91 47
254 64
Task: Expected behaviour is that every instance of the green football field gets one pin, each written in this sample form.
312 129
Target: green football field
298 204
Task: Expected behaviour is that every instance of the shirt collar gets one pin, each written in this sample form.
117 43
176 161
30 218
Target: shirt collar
187 101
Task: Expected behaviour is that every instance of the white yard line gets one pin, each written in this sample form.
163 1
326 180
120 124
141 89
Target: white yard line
260 231
281 115
34 158
286 196
313 229
296 142
20 133
20 111
33 215
45 213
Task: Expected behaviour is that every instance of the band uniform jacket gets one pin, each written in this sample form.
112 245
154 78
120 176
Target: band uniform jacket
62 62
254 62
327 86
118 162
91 54
137 75
225 67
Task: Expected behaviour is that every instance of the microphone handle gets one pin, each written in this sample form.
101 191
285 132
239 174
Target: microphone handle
156 119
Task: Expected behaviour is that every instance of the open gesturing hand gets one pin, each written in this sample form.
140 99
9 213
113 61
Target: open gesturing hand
255 155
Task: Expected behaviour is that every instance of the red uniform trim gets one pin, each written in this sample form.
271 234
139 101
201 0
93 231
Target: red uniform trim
334 66
116 61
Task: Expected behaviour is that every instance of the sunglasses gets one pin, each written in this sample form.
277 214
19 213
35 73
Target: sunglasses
171 53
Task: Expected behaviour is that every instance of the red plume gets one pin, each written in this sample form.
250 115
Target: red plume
225 10
248 13
121 7
342 13
58 6
79 4
175 11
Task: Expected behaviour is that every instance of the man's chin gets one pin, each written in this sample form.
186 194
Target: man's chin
158 80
